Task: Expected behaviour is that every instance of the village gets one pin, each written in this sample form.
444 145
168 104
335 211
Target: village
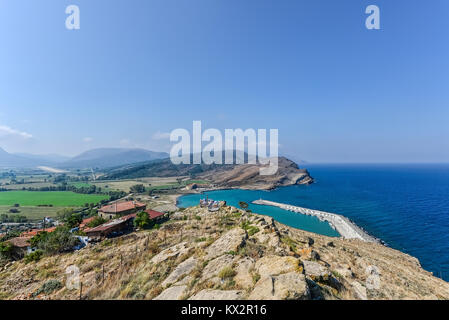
118 217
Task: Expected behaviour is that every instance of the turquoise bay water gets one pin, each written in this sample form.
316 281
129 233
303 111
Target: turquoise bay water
292 219
407 206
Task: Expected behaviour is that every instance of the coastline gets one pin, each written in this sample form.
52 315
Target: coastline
344 226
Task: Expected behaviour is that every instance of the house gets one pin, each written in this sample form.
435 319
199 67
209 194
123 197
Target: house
113 227
117 209
34 232
85 222
156 216
20 245
121 225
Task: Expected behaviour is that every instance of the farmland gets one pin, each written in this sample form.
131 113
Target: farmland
54 198
31 213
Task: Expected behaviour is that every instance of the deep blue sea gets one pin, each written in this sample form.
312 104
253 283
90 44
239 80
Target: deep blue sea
407 206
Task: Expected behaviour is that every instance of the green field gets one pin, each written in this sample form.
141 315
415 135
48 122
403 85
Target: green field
32 213
55 198
80 184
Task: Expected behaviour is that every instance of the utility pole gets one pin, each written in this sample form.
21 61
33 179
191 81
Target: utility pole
81 290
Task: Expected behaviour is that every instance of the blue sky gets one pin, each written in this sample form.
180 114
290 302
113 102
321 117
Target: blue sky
137 69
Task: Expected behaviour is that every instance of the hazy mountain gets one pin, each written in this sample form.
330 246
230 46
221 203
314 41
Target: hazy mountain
111 157
44 158
8 160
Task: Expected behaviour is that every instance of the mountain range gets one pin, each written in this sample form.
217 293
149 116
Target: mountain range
95 158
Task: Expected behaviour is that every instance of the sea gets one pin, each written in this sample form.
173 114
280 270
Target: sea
404 205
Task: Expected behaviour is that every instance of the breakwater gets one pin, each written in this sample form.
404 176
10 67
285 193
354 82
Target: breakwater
346 228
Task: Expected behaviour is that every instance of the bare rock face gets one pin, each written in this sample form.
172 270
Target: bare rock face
172 293
359 291
230 241
243 278
287 286
247 176
316 271
216 265
208 294
182 269
174 251
274 265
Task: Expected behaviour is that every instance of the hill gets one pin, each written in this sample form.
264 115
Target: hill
226 255
224 176
8 160
111 157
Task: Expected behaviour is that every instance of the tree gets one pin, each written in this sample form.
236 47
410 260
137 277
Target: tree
96 222
5 250
137 188
60 240
70 218
142 220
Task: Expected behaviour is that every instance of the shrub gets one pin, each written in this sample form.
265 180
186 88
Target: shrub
48 287
142 220
60 240
5 250
289 242
138 188
249 228
96 222
226 273
34 256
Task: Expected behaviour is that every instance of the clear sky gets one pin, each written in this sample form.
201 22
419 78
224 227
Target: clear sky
137 69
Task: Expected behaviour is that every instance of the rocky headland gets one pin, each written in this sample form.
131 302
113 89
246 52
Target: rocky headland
229 254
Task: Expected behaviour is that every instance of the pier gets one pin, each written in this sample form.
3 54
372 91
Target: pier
343 225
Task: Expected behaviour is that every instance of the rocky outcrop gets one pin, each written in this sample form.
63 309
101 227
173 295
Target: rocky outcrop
229 242
316 272
247 176
244 277
172 293
174 251
182 269
274 265
229 254
287 286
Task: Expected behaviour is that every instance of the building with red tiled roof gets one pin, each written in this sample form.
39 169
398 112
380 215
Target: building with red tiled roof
86 221
114 210
155 215
20 246
34 232
119 225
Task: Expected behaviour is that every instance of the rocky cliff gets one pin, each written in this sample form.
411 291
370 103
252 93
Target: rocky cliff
247 176
226 255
